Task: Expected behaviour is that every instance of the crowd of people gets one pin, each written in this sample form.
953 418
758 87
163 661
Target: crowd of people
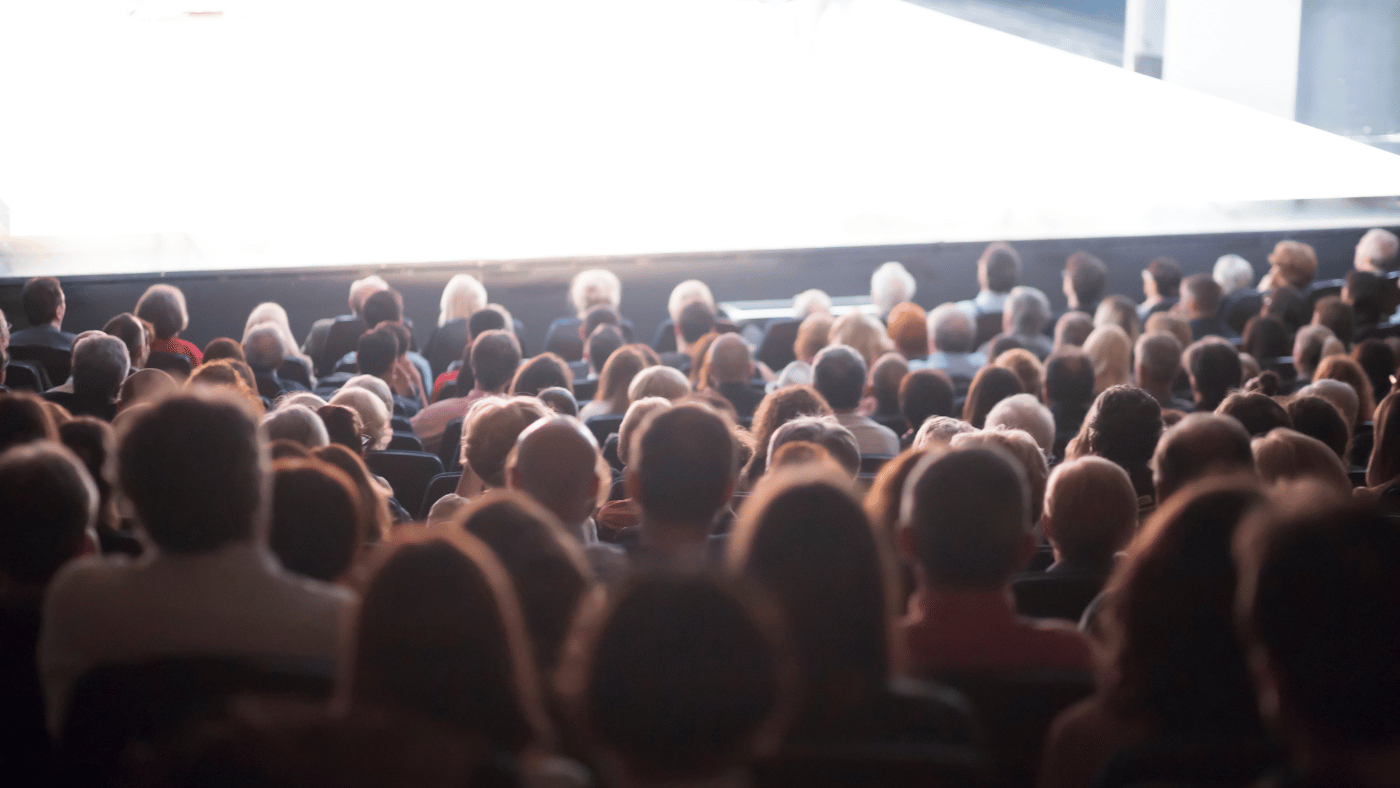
1136 542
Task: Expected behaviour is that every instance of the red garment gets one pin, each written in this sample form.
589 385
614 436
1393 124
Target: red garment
177 345
949 630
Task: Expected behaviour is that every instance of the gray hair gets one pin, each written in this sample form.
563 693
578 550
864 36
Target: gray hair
637 413
1027 311
687 293
373 415
375 386
360 289
825 431
1024 412
263 347
100 364
950 329
940 429
810 302
658 381
295 423
1379 249
462 297
890 285
593 287
1232 273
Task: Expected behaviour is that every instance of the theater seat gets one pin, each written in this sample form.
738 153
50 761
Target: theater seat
603 426
57 363
872 463
988 326
343 337
27 375
405 441
450 450
408 473
1063 595
440 485
860 765
179 365
585 390
1320 290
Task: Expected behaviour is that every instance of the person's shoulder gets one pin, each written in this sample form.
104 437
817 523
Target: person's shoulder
1059 643
91 579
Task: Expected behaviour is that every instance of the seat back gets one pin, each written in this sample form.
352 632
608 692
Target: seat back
1055 595
294 370
860 765
57 363
872 463
585 390
408 473
988 326
450 449
405 441
1320 290
27 375
603 426
1230 763
342 337
439 486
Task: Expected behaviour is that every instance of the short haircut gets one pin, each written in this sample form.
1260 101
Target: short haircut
223 347
1024 412
296 423
490 430
132 331
950 329
1204 292
24 417
49 501
1232 273
1021 447
813 334
1197 446
636 414
1091 510
1380 248
683 459
385 306
1369 294
599 315
1158 358
376 353
1214 367
678 655
1287 305
970 513
1257 413
1337 315
729 359
907 329
602 343
193 470
262 347
1284 455
1318 591
1315 417
495 355
687 292
317 524
40 299
1166 275
891 284
541 372
697 319
360 289
1088 277
924 393
594 287
484 320
1026 311
824 431
1294 263
1002 267
838 374
940 429
100 364
1069 377
163 306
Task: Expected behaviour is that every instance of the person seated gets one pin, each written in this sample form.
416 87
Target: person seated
1311 344
676 655
838 374
264 351
923 393
907 331
1372 299
315 344
668 337
1091 512
193 470
1120 312
1085 279
1383 465
680 474
1258 413
1024 412
1073 328
886 374
1378 361
1317 418
967 528
44 306
1239 300
732 371
50 503
891 285
806 541
135 334
489 431
1291 264
297 366
1337 316
462 297
1157 362
376 427
589 289
377 355
539 373
1123 426
386 306
695 322
992 385
602 339
998 271
1161 287
1317 603
296 423
100 366
1346 370
1175 673
823 431
812 335
1025 314
1213 367
1200 445
1339 395
1378 252
1019 446
658 381
1069 391
951 337
163 306
1027 368
317 527
1285 456
618 372
775 347
1200 304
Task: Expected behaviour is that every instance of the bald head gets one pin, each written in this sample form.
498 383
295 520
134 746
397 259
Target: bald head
1378 252
730 359
1090 511
1199 445
1158 359
556 462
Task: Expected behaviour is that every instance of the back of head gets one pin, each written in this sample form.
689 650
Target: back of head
885 376
1026 367
495 356
1287 456
1265 338
440 635
1120 311
730 359
924 393
163 306
1110 349
462 297
970 516
1072 329
1337 315
1384 465
262 347
689 292
823 431
556 462
49 501
891 284
1215 369
132 332
1166 275
1378 251
100 364
490 430
1091 511
539 373
1257 413
1294 263
1369 296
678 656
838 374
907 330
1024 412
385 306
862 332
1087 276
950 330
990 386
193 470
594 287
636 415
683 464
1378 361
1345 369
373 416
295 423
617 376
1167 323
1202 294
1026 311
41 298
222 347
317 524
1232 273
1317 418
1287 305
1199 445
361 289
602 343
1000 267
343 426
1021 447
1318 593
1341 395
376 353
658 381
1158 359
487 319
940 430
812 335
697 319
1069 378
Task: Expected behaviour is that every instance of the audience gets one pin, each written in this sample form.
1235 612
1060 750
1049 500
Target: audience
1161 286
1085 278
992 385
1198 446
1214 369
1072 329
1292 264
890 286
1111 350
163 306
1287 456
1258 413
1240 301
838 375
823 431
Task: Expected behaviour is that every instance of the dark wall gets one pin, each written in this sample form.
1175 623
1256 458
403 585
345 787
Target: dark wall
536 292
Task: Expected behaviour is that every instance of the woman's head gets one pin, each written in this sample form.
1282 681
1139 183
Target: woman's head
1384 466
619 370
542 372
990 386
1287 456
777 409
373 499
1118 310
317 524
1346 370
163 306
658 381
462 297
1122 426
374 417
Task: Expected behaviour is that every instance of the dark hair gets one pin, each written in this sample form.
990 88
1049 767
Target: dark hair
193 470
1072 329
774 411
1319 592
382 306
23 419
48 500
93 442
886 374
1257 413
1265 338
223 347
40 299
990 386
1069 377
824 431
970 512
1317 418
495 356
317 525
1337 315
483 320
440 634
1003 267
1345 369
1123 426
376 352
539 373
616 376
1205 292
163 306
1196 446
373 501
806 541
1368 295
683 676
696 320
1170 625
548 571
1088 277
1166 274
343 426
838 372
1002 343
131 330
598 315
602 343
1286 305
287 449
924 393
1384 464
684 462
1377 360
1214 367
559 400
403 338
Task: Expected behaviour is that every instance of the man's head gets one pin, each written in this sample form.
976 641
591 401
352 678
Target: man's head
489 431
838 374
1072 330
1025 312
1310 345
49 501
1369 295
966 519
813 334
1085 278
1337 315
810 302
681 467
891 284
908 330
1091 511
594 287
262 347
730 359
1024 412
488 319
194 471
689 292
1199 445
1378 252
602 343
999 268
697 319
1214 368
1200 296
42 301
1232 273
100 364
361 289
1257 413
924 393
556 462
376 352
495 355
1157 361
1069 378
824 431
1161 278
950 329
385 306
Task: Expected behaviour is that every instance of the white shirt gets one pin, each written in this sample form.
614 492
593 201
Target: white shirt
871 437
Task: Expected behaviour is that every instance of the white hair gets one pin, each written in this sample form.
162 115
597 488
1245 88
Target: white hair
687 293
463 296
1027 310
658 381
305 398
271 312
263 347
1378 251
100 364
1232 273
295 423
890 285
593 287
375 386
950 329
1024 412
810 302
360 289
373 415
940 429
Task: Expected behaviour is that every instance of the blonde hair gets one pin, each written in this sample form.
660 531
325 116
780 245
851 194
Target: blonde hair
463 296
686 293
861 332
1285 455
1111 351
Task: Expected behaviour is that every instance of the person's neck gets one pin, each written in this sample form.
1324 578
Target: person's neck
1159 391
682 543
933 598
57 323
